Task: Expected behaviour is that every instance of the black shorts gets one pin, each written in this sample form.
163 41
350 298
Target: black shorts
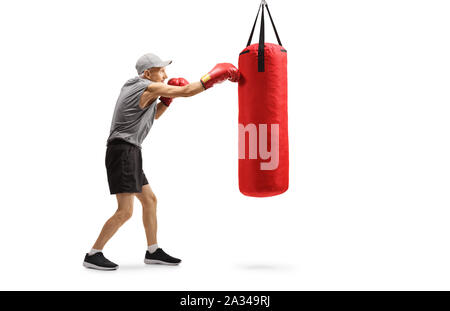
124 167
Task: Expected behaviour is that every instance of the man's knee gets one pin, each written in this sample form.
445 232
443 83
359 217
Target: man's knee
149 201
123 214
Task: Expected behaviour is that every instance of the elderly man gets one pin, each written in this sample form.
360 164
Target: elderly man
136 109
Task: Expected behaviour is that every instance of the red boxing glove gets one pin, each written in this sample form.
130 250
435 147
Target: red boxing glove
176 82
220 73
166 100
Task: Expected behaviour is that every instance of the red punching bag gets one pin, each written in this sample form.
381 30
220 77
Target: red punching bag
263 116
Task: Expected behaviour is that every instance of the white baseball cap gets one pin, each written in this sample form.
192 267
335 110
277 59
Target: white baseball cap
150 60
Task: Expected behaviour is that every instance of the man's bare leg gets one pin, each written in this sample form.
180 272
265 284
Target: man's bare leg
122 214
148 201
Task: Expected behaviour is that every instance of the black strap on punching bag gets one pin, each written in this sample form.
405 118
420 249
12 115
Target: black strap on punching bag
273 25
261 44
261 66
253 29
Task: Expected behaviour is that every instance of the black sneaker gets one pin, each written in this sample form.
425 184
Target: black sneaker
99 262
159 256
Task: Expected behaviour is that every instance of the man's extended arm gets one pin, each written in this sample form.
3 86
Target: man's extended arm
220 73
165 90
158 89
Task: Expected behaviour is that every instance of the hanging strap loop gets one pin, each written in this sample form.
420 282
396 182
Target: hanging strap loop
263 4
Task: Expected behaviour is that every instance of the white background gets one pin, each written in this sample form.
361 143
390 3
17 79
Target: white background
368 205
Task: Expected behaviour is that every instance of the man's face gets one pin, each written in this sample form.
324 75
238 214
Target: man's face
156 74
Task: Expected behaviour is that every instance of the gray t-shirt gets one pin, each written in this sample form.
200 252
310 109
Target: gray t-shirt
130 122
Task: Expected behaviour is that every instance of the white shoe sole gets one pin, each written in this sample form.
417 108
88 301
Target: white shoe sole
92 266
154 261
